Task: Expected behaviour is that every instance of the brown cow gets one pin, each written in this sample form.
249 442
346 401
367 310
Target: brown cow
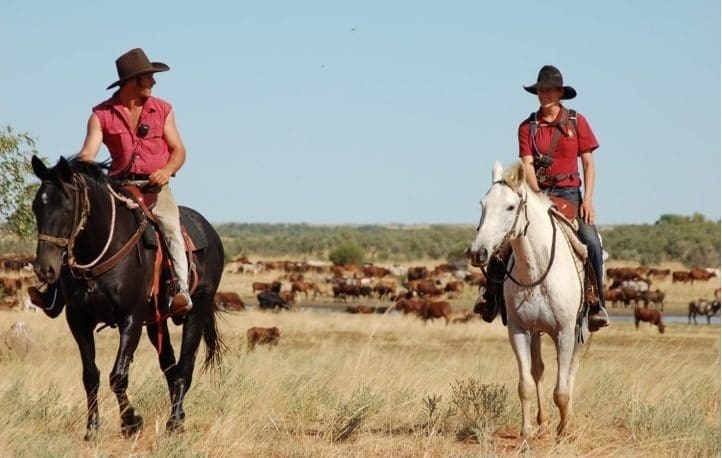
651 316
423 288
435 309
229 301
454 288
304 287
656 297
263 286
615 296
409 305
682 276
262 336
700 275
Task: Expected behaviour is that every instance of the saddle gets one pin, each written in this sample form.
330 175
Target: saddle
146 198
565 212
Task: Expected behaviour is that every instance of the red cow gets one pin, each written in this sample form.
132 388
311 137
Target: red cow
651 316
435 309
229 301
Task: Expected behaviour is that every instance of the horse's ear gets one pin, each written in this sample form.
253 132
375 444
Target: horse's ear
63 168
520 173
496 172
39 168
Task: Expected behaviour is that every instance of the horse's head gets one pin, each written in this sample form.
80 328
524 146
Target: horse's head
55 212
500 210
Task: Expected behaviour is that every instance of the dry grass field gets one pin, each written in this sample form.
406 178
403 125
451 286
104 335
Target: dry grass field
370 385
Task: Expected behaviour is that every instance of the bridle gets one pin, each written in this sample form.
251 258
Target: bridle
81 211
511 234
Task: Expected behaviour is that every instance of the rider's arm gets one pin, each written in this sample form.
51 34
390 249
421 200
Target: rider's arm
586 211
177 152
93 139
529 172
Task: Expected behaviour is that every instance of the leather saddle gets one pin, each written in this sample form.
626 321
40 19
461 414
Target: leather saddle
146 198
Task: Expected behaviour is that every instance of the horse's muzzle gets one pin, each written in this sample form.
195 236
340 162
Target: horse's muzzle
475 257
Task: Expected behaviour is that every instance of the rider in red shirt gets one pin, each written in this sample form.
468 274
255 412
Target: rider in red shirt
552 141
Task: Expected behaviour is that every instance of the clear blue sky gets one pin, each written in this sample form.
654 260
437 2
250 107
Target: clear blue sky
383 111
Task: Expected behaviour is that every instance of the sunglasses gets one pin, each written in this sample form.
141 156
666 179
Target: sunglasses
143 130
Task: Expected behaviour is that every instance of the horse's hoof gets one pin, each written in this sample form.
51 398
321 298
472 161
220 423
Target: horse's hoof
174 426
133 426
91 435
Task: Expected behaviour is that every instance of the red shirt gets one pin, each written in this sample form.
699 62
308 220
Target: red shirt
568 149
150 152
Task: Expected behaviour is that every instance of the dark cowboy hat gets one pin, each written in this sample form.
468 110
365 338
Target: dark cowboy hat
550 76
135 63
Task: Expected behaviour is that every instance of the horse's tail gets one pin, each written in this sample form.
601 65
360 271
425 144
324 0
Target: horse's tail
215 347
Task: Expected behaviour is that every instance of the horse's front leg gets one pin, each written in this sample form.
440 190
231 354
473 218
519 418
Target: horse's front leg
567 364
521 344
83 333
130 329
537 371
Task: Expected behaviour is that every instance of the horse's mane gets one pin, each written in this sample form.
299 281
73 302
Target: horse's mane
515 178
95 170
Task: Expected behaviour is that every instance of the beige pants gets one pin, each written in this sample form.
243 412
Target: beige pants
168 216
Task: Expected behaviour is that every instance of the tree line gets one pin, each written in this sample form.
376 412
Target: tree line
692 240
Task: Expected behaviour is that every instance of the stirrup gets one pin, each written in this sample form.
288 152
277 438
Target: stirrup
597 319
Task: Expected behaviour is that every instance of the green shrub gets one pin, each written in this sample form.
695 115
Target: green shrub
346 253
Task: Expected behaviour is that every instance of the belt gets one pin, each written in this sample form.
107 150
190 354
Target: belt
135 177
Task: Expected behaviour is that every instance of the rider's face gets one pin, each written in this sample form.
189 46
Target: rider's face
145 84
549 96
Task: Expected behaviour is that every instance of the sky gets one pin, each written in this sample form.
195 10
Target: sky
382 112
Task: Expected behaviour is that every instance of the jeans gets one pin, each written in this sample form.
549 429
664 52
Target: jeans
588 235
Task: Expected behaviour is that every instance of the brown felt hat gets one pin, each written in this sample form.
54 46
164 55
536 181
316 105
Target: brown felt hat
550 76
135 63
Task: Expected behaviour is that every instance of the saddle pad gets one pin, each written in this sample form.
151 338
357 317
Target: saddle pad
192 221
569 229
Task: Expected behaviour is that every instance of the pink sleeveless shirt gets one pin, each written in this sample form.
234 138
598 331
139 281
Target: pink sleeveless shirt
144 154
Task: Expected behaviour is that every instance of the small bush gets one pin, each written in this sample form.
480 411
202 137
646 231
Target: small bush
480 407
346 253
350 415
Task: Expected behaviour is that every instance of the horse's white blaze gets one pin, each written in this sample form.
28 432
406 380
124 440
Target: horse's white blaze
552 306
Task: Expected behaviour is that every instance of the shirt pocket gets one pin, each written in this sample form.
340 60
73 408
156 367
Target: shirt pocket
118 139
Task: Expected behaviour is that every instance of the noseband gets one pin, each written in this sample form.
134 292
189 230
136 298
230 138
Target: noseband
81 209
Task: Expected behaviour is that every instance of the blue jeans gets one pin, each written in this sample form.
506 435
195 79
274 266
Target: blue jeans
588 234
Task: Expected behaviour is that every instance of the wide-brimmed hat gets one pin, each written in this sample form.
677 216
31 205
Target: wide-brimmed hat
550 76
135 63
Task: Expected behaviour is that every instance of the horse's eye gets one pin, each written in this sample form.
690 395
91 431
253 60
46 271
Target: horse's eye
510 208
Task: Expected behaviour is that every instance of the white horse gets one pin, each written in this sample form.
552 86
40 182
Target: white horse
543 291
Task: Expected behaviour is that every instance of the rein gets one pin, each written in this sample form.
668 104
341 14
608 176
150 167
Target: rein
94 268
509 235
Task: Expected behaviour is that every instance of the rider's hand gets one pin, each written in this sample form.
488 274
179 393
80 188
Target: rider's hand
159 177
586 211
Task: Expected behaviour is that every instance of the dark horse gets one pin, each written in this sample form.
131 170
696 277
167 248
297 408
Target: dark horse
84 219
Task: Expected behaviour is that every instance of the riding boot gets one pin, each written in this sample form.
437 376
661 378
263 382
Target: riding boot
181 302
598 317
50 301
492 301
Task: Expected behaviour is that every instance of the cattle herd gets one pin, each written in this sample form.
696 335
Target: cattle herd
417 291
426 292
